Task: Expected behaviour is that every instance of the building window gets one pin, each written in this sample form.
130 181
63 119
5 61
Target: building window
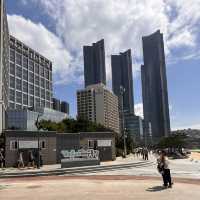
18 84
47 74
47 85
41 71
42 93
12 55
25 99
31 101
18 59
42 103
37 69
12 82
13 145
25 87
31 89
12 69
12 95
50 86
25 62
18 97
50 74
19 72
37 102
31 77
37 80
37 91
48 95
31 66
42 83
25 74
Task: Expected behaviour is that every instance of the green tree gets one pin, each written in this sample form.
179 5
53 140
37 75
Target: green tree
174 141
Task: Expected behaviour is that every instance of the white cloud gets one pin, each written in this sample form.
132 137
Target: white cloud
139 110
122 24
48 44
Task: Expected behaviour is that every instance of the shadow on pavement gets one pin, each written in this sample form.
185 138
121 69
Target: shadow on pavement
156 189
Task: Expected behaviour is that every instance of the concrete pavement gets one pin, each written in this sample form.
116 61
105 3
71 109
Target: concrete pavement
98 189
183 168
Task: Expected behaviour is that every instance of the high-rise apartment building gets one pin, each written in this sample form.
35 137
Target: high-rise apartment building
122 77
4 64
61 106
30 77
154 86
97 104
94 63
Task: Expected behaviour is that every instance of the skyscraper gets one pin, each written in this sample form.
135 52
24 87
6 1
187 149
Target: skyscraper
154 86
94 63
4 64
122 76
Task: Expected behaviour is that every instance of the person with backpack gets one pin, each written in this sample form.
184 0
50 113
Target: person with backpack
163 168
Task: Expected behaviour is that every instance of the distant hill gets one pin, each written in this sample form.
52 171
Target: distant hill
193 137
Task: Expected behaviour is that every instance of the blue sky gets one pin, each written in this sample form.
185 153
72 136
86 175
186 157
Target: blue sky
59 28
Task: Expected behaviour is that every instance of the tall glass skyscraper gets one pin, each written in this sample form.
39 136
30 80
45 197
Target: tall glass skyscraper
122 76
94 63
154 86
4 64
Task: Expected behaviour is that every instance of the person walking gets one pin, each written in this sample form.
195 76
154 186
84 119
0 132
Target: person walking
163 168
146 154
1 159
20 161
31 159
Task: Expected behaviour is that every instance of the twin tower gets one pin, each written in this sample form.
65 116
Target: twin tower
154 81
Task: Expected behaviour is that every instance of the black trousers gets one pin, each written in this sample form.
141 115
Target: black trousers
167 177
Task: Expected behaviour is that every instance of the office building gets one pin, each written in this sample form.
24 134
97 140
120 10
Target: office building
56 104
94 63
64 107
134 126
61 106
97 104
154 86
30 77
122 77
4 65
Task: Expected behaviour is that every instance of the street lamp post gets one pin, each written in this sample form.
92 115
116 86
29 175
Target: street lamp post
122 91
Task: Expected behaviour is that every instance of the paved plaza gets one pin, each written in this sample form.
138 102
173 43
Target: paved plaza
96 188
181 168
130 178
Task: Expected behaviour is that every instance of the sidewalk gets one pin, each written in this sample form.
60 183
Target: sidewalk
57 170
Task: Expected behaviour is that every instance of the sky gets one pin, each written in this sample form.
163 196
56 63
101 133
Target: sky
58 29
